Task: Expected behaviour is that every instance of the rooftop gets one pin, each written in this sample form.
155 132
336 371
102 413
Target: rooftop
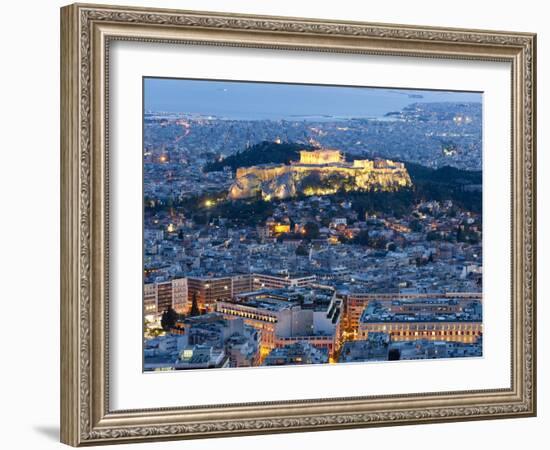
266 303
418 310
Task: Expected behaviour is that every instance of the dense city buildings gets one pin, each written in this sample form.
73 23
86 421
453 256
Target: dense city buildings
312 240
296 353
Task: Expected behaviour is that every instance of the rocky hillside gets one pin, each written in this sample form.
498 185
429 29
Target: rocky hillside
280 181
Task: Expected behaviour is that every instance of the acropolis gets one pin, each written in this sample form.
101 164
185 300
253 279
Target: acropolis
319 172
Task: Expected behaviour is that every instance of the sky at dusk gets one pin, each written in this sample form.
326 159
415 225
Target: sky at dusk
246 100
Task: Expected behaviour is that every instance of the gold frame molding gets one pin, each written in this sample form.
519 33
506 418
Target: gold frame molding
86 31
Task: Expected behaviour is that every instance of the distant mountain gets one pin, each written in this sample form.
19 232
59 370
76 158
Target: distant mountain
263 153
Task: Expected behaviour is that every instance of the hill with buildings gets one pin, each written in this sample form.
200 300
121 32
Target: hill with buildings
318 172
269 152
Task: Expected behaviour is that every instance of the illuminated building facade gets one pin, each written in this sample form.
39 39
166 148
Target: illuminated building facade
454 331
150 299
277 281
158 297
209 290
429 319
273 229
356 303
266 315
180 301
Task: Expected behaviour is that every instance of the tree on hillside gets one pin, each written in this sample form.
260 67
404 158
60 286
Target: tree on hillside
262 153
168 319
394 354
311 230
194 306
362 238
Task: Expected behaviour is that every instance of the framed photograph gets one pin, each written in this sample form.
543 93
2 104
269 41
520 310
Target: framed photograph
275 224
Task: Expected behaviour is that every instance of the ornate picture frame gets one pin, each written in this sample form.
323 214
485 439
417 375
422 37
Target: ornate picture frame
86 34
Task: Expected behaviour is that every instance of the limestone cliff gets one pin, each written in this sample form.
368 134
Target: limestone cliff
319 172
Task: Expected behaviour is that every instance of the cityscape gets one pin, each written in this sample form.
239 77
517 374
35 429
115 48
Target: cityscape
290 224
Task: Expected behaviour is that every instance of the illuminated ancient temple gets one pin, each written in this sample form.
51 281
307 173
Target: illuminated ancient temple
323 156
